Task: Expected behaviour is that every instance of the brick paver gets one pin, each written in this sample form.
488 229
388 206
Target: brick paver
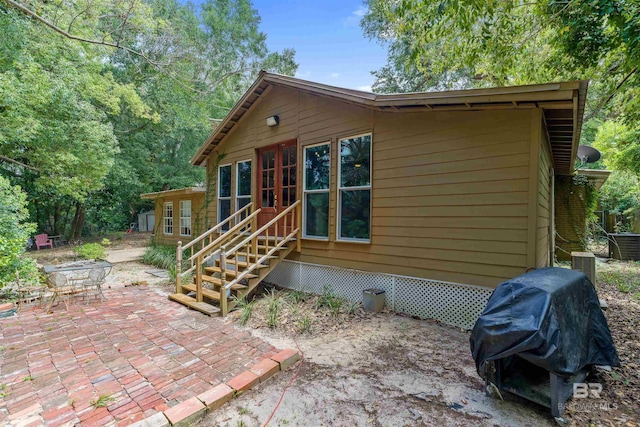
139 351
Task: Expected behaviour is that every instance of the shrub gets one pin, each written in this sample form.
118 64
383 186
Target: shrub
91 251
161 256
14 234
105 242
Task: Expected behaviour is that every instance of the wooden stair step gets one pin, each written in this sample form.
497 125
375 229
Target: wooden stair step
244 264
218 282
211 270
190 302
207 293
281 248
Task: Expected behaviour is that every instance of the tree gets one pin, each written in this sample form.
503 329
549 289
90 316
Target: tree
102 100
515 42
14 234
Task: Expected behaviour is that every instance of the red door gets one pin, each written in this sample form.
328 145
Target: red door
276 183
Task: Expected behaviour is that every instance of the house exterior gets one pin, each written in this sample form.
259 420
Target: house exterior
179 214
434 197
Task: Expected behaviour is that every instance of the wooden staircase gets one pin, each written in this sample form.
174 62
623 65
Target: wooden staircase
228 265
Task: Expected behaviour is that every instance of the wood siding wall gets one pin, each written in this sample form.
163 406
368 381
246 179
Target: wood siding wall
197 219
543 251
450 192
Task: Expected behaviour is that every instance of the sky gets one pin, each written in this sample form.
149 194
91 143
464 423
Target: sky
330 45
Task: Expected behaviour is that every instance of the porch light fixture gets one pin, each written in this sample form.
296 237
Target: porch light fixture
273 121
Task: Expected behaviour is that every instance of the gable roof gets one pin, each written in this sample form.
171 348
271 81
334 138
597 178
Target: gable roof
176 192
562 104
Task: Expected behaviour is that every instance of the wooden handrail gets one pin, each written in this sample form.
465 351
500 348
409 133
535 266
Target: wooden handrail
216 227
225 235
253 266
263 228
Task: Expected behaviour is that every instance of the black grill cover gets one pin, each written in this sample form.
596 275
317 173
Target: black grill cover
551 317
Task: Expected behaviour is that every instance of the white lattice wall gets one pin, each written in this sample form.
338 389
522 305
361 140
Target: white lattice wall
454 304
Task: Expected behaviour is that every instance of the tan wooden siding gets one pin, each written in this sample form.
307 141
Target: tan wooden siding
450 190
197 219
544 203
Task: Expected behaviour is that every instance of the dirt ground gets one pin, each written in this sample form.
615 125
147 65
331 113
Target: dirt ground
363 369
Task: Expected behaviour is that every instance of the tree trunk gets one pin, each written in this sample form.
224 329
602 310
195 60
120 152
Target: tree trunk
56 218
77 223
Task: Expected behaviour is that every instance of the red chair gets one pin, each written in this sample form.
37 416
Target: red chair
42 241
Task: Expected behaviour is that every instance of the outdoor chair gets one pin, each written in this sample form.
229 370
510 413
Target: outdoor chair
94 281
60 287
42 241
27 293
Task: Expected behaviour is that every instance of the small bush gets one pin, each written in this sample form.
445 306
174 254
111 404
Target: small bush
305 324
105 242
246 309
330 300
91 251
273 307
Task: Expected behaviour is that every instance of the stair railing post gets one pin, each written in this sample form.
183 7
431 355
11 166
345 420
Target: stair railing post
199 278
223 290
299 225
179 268
254 241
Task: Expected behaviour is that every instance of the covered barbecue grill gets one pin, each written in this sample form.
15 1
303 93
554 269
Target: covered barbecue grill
540 333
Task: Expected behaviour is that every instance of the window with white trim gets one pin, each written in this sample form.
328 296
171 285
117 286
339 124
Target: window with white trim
354 189
243 185
317 172
224 194
185 217
168 217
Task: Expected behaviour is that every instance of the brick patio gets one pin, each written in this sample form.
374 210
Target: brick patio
138 348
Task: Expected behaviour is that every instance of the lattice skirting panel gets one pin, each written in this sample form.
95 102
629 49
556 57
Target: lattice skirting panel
451 303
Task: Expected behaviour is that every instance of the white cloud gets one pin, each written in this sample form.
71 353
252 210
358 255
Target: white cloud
303 74
366 88
353 20
334 75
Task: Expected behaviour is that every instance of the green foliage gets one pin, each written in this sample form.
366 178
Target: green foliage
625 276
331 301
273 308
246 309
105 242
305 324
620 193
161 256
14 233
102 401
86 128
90 251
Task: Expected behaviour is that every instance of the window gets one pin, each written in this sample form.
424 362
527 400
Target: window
354 189
243 185
185 217
317 169
224 194
168 218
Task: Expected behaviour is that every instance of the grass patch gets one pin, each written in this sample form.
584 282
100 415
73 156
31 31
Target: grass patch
273 307
331 301
246 309
624 276
161 256
102 401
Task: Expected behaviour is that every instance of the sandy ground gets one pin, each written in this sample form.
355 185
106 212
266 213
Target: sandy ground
374 370
383 370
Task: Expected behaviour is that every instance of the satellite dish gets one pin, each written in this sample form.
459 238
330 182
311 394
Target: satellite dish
588 154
